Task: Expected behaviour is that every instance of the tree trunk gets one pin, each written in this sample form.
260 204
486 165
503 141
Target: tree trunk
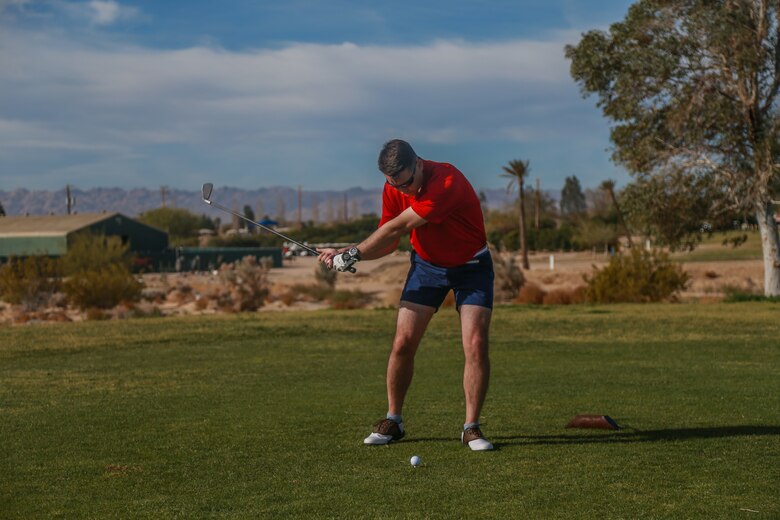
770 246
538 207
620 218
523 243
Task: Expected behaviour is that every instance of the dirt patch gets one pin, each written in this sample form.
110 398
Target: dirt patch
197 293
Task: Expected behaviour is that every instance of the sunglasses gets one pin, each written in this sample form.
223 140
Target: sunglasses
406 183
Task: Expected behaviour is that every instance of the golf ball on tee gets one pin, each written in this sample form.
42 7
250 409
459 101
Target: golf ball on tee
415 461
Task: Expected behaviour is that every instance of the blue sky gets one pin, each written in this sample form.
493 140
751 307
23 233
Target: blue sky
251 94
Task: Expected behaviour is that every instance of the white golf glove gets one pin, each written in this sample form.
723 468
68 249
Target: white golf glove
343 262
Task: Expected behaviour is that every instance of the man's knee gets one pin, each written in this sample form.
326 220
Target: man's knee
404 345
476 349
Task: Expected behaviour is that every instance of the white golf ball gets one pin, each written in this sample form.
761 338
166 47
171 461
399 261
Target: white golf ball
415 461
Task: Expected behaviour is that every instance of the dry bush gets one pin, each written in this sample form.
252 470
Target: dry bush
146 311
288 298
95 314
154 295
57 316
309 293
182 293
201 302
637 277
579 294
530 293
557 297
567 296
31 282
246 282
509 277
324 276
58 300
266 262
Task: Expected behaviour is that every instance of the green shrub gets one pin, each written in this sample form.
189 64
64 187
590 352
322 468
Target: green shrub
30 282
181 224
638 276
103 288
737 295
98 270
93 252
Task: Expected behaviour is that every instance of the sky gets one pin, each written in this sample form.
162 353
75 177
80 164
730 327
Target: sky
253 94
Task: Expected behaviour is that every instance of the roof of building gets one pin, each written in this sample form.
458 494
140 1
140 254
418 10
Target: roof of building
49 225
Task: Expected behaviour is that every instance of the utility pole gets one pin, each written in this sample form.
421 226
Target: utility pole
300 198
70 201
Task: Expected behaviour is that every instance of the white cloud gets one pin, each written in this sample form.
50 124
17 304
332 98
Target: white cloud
294 87
259 105
104 12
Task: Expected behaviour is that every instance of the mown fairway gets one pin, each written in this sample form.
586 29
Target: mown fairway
263 416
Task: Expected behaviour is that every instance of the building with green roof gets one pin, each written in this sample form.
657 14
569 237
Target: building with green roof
51 235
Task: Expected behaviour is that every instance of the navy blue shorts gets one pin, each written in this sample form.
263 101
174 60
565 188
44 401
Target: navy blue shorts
428 284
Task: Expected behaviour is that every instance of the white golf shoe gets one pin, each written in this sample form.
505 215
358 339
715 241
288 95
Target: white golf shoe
473 438
385 431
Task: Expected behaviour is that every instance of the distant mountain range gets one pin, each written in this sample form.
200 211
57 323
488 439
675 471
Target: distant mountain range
275 202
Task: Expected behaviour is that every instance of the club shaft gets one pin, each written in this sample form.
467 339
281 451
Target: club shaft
239 215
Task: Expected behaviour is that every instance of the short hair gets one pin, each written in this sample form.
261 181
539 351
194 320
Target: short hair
396 156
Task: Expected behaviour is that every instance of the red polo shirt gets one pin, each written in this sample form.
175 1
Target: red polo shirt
455 230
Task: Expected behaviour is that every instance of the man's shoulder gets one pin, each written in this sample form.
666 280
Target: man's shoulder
442 168
444 177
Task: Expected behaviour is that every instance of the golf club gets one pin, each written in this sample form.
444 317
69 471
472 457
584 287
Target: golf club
206 194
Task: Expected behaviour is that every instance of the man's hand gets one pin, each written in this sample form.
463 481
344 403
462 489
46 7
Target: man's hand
338 259
327 255
343 262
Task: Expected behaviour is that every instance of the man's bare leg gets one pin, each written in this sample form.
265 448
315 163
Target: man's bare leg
412 321
475 327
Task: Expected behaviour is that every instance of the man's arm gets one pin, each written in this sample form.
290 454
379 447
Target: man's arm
383 241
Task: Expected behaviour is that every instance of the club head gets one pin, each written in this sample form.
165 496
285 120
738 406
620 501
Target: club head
206 192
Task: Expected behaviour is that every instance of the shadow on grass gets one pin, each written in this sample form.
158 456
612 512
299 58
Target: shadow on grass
630 435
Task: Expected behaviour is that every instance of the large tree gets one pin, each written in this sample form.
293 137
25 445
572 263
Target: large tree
691 88
573 203
517 172
181 224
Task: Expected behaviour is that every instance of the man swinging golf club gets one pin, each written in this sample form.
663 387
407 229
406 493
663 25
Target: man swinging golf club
435 204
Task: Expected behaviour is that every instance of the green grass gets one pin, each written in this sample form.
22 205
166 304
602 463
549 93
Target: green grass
262 416
712 249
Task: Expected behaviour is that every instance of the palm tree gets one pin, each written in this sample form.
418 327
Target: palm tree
609 187
516 172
